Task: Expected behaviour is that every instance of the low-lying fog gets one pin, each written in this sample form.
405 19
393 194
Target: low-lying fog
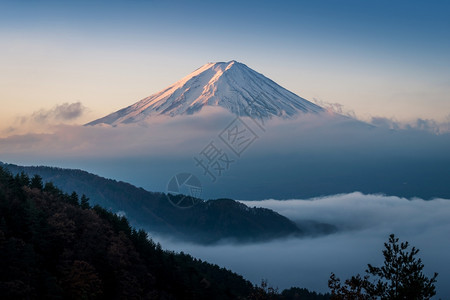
364 223
312 155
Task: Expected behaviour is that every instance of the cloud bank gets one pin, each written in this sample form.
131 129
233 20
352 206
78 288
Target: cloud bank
364 221
310 156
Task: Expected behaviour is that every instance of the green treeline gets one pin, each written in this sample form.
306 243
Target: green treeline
54 245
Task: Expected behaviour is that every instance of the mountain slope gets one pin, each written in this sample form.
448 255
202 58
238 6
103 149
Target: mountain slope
54 247
231 85
206 222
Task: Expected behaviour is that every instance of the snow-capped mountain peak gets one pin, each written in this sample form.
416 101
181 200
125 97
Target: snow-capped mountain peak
231 85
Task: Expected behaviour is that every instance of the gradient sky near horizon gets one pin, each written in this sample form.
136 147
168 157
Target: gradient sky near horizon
377 58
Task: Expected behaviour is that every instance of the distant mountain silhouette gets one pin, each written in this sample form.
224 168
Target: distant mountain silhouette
206 222
55 245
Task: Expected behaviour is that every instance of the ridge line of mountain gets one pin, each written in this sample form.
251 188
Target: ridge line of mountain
207 222
231 85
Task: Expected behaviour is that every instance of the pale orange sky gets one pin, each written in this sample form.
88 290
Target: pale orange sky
50 55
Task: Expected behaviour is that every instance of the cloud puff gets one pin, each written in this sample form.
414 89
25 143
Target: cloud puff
385 123
62 112
428 125
335 107
365 222
45 120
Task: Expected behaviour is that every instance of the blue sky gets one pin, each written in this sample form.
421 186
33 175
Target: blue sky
377 58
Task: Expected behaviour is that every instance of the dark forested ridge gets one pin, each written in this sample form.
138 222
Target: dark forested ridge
206 222
54 245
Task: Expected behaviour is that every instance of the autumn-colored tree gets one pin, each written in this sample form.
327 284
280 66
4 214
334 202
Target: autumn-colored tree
81 281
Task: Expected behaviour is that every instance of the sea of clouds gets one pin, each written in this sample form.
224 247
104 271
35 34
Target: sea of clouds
364 223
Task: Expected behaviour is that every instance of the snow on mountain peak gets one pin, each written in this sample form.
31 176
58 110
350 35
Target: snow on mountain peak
231 85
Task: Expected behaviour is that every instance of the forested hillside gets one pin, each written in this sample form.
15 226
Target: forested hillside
206 222
54 245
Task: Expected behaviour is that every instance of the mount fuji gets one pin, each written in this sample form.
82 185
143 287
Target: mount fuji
230 85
